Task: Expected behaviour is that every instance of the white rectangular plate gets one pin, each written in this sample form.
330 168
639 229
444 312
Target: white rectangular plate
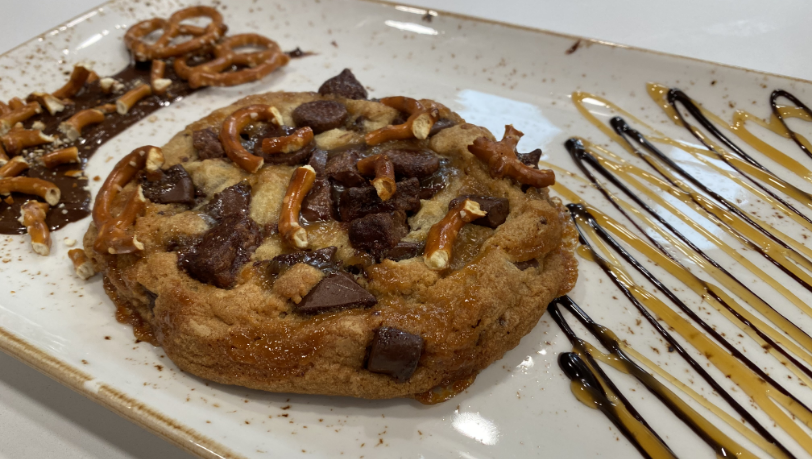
492 74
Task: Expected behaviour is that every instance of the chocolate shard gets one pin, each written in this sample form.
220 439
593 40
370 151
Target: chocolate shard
207 143
377 233
173 187
395 353
530 159
523 265
318 204
404 250
342 167
345 85
234 200
217 257
335 292
497 209
361 201
318 161
323 259
413 163
320 115
441 124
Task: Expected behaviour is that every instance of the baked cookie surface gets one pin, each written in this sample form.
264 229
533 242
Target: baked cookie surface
235 295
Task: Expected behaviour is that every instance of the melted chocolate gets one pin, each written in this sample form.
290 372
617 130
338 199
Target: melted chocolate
75 197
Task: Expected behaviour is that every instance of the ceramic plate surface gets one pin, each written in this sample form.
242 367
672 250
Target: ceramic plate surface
492 74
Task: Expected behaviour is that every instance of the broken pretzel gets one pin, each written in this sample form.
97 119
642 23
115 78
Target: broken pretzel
300 184
502 160
444 233
418 125
381 167
81 264
33 218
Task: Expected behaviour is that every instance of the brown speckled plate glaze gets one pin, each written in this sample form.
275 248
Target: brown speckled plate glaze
492 74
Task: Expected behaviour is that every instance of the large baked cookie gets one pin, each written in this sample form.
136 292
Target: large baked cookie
409 267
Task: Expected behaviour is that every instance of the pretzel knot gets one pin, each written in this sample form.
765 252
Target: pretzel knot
255 65
203 37
502 160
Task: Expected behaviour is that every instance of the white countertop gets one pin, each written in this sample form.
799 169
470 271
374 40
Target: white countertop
41 418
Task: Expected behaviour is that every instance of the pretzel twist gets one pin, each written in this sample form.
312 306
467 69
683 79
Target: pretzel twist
172 28
233 126
27 185
258 63
19 115
81 264
444 233
300 184
33 218
78 77
16 166
128 100
288 143
58 157
502 160
418 125
18 139
380 167
72 128
156 77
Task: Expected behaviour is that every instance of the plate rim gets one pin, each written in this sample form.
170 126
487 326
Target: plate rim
163 425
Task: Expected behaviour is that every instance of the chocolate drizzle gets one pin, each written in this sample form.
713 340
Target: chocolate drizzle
75 196
780 117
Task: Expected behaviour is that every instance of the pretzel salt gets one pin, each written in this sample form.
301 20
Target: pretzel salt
14 167
232 128
300 184
444 233
172 28
81 264
421 119
380 167
33 218
502 160
62 156
27 185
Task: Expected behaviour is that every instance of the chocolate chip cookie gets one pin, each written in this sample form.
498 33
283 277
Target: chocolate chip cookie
326 243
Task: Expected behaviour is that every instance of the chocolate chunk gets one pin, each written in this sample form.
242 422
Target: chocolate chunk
318 161
318 204
323 259
207 143
413 163
217 256
334 292
377 233
531 159
152 298
522 265
320 115
174 186
345 85
497 209
360 201
234 200
404 250
395 353
342 168
441 124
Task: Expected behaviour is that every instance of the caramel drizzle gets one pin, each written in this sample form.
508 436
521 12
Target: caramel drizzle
764 391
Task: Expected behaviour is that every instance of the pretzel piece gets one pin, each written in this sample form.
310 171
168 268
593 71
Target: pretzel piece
156 77
502 160
33 218
16 103
300 184
113 237
49 101
63 156
121 174
81 264
380 167
78 77
19 115
172 28
259 63
418 125
14 167
72 128
4 108
233 126
288 143
444 233
18 139
128 100
38 187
